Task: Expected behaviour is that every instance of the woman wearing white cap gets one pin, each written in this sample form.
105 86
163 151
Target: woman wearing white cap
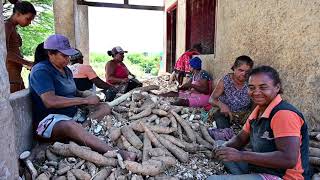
117 73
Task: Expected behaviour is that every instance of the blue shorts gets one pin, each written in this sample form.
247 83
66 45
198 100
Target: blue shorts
45 126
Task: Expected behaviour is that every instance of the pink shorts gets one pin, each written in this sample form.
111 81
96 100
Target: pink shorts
195 99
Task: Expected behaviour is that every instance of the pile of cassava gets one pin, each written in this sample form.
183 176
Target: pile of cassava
314 152
170 142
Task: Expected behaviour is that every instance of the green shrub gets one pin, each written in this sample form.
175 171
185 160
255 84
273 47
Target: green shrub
99 57
148 64
135 58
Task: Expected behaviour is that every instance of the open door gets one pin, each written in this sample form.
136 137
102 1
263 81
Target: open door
171 37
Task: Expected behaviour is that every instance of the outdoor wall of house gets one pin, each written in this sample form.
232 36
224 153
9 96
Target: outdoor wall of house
181 33
284 34
7 132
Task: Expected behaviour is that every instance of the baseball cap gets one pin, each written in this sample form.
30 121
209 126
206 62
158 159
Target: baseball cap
117 50
60 43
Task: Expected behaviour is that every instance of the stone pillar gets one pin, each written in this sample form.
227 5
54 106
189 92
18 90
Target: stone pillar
7 132
82 30
71 20
64 19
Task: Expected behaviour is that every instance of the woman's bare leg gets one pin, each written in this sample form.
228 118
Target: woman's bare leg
70 130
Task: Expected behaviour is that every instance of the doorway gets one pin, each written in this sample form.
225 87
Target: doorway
171 37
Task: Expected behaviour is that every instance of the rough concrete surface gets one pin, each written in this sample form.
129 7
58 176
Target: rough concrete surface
8 149
21 104
284 34
64 19
4 79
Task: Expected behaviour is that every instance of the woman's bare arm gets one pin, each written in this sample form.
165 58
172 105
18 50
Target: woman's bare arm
217 92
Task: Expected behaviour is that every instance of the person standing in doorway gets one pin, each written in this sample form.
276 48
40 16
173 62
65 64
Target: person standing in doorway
182 66
23 13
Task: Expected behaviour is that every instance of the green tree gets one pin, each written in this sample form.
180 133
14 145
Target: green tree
39 30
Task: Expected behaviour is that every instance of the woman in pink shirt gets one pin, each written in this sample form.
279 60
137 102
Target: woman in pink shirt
118 74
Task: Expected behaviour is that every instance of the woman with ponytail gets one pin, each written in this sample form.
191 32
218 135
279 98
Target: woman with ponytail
23 13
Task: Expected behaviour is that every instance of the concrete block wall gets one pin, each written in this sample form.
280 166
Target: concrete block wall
21 104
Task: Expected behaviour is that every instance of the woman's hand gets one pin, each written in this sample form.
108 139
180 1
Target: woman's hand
185 86
225 109
92 100
28 64
123 81
228 154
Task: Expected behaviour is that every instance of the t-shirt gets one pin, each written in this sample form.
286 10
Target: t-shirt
183 63
236 99
280 119
82 75
44 77
14 57
82 71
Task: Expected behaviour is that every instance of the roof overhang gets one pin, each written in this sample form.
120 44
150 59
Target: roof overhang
125 5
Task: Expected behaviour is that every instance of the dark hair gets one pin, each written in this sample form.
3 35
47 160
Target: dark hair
110 53
242 60
197 47
40 54
75 58
270 72
24 7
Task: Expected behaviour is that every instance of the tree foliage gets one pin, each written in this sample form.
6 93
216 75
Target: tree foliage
41 27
